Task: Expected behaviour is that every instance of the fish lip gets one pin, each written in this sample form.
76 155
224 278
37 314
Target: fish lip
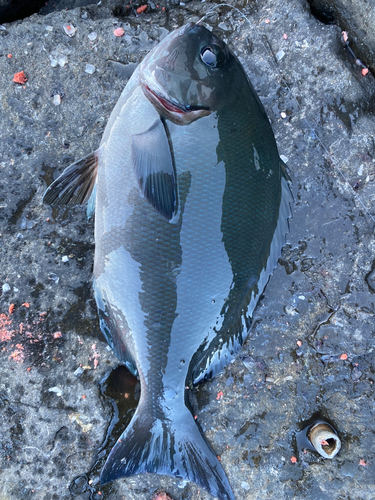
180 114
172 105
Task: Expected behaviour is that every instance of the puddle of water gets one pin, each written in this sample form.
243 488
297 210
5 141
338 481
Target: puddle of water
301 436
122 390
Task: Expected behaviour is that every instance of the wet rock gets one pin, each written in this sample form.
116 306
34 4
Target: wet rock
320 295
355 17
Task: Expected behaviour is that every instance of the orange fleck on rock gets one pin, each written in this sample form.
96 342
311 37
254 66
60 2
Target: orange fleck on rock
26 304
267 21
57 335
362 462
219 395
9 56
19 346
17 356
293 460
344 356
29 369
119 32
344 36
195 417
364 71
20 77
6 332
141 9
83 396
161 495
285 36
299 343
11 309
126 395
163 8
324 442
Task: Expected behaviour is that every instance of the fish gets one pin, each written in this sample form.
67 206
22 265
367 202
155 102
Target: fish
192 205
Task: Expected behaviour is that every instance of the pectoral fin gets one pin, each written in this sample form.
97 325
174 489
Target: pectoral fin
153 166
75 184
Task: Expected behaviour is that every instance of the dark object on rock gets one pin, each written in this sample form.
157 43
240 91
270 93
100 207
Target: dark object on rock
11 10
323 11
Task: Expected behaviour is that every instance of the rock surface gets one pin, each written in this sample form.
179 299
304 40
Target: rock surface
357 18
311 348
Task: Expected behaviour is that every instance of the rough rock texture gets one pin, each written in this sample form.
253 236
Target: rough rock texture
356 17
311 347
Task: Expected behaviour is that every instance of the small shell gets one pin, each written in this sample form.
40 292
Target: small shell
325 440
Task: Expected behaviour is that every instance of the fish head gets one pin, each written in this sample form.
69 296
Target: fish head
190 74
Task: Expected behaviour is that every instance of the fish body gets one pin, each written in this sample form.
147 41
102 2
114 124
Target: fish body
191 210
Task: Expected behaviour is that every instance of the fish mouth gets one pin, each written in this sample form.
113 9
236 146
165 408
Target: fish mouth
181 114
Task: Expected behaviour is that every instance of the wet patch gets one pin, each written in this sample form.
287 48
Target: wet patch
121 390
302 436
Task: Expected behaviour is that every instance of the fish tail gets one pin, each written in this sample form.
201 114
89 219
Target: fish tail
166 445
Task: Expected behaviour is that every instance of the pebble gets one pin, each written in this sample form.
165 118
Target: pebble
6 288
56 100
90 69
56 390
223 27
65 258
280 55
69 29
92 36
78 372
62 61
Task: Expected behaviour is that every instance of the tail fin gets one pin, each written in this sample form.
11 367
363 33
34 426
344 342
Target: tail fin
174 447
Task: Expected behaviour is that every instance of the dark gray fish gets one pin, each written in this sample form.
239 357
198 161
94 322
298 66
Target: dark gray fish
192 205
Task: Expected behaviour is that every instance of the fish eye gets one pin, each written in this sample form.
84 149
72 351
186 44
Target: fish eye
212 56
